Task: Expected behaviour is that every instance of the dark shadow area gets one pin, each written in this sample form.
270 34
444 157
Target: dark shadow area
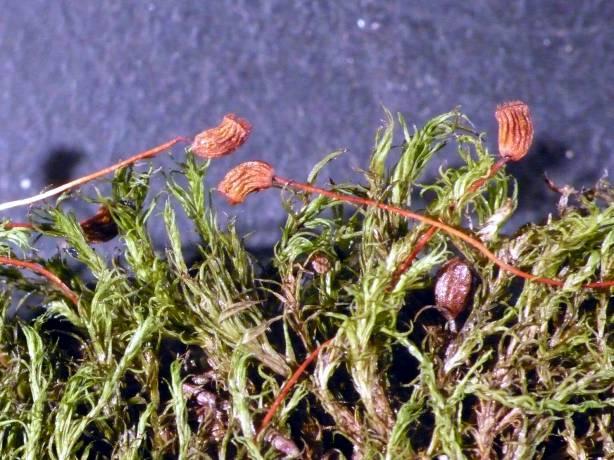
535 199
60 163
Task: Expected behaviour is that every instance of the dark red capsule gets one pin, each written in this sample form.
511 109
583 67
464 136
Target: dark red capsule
100 227
452 288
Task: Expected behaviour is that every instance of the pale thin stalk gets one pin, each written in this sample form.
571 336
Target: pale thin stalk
90 177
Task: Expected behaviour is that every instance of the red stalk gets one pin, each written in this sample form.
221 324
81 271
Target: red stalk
288 386
426 237
477 244
12 225
39 269
409 260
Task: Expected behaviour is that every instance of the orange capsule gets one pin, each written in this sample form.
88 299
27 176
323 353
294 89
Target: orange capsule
452 288
225 138
244 179
515 130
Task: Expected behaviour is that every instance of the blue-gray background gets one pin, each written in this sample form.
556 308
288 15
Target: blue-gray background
85 83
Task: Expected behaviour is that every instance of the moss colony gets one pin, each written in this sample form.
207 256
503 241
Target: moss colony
332 349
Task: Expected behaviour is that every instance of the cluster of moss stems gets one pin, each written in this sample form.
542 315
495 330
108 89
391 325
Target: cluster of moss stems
148 351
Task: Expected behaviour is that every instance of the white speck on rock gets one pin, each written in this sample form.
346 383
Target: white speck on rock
25 183
375 25
569 154
361 23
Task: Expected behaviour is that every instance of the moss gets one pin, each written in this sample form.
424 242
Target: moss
164 358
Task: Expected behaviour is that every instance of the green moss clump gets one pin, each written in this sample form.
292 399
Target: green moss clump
162 358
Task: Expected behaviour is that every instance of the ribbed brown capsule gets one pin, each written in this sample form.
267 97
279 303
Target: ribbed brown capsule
244 179
100 227
225 138
452 288
515 130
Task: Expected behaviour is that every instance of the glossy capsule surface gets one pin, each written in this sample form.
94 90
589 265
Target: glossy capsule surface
452 288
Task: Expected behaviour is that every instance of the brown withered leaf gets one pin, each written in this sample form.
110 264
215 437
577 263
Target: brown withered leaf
244 179
225 138
515 129
100 227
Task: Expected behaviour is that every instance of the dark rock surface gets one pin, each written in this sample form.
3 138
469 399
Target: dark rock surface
86 83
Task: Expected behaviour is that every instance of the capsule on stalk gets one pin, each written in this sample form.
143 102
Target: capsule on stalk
244 179
515 130
225 138
452 289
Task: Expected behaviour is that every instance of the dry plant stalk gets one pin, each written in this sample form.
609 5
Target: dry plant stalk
96 175
294 378
244 189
